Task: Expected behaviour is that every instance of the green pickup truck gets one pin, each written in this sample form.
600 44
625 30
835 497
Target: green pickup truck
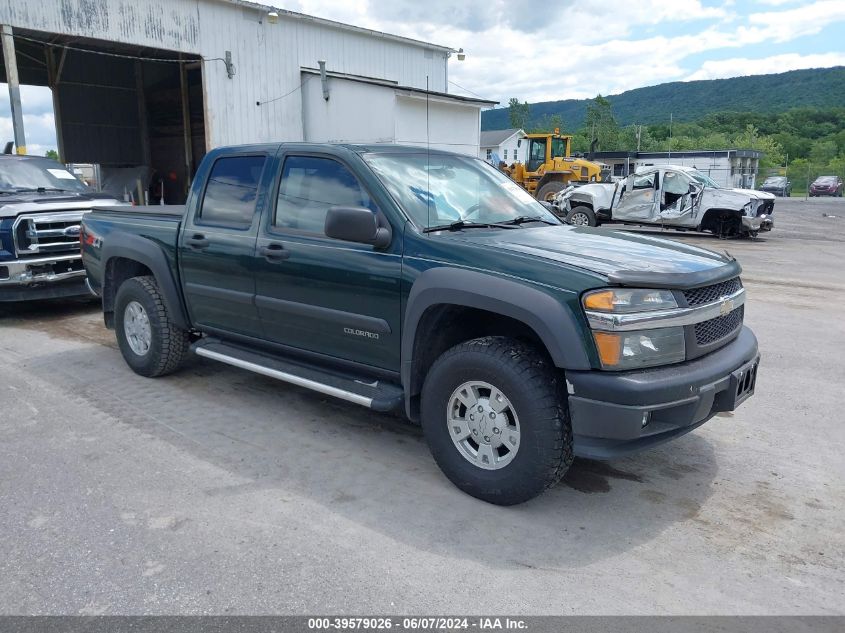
402 279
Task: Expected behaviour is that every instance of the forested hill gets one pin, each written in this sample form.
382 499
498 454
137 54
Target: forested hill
691 100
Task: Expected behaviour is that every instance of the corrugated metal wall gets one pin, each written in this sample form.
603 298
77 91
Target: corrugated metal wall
268 57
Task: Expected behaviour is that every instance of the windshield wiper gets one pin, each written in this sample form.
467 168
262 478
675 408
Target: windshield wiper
458 225
39 190
529 218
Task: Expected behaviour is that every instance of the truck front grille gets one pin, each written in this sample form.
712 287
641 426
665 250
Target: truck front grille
709 294
47 233
708 332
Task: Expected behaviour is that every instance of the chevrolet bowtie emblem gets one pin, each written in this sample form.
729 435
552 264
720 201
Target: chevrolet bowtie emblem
726 306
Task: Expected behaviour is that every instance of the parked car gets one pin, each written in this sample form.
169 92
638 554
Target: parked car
428 282
826 186
41 206
671 196
777 185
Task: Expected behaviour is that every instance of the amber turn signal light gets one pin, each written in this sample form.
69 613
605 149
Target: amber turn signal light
599 301
609 348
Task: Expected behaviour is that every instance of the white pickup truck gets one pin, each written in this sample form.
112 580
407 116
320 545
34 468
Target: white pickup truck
670 196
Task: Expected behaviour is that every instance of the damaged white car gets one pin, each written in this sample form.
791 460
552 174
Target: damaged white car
669 196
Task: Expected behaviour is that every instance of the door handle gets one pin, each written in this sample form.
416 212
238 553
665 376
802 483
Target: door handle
274 252
198 241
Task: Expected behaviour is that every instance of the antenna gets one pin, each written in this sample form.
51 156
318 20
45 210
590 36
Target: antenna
427 158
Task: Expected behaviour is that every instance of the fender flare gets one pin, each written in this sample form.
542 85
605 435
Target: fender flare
136 248
552 321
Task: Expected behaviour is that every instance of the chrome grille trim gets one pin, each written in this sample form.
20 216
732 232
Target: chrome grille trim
47 233
607 322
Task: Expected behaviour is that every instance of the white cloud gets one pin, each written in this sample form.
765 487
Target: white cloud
38 121
739 66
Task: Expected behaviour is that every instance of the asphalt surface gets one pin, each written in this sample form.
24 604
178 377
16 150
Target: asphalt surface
218 491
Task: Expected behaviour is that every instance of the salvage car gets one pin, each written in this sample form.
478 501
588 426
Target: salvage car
669 196
826 186
427 282
41 206
777 185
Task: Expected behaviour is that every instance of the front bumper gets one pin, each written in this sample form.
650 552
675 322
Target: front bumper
42 278
615 414
758 223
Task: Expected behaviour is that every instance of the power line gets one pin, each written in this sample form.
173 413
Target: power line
79 49
475 94
287 94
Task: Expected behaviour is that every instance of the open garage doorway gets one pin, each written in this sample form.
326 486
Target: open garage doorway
135 112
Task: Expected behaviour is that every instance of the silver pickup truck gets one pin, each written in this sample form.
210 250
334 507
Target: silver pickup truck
41 207
670 196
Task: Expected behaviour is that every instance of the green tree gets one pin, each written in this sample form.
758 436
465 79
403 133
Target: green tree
601 125
51 153
518 113
547 124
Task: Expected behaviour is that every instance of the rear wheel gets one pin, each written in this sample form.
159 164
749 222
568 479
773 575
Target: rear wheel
581 216
547 192
151 344
495 420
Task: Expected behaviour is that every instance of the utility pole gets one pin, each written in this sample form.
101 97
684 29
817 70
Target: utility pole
671 115
11 62
807 191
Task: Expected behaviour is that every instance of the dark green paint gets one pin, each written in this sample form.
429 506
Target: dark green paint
366 283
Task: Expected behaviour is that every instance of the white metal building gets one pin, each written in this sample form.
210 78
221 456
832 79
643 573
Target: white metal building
504 144
160 82
728 167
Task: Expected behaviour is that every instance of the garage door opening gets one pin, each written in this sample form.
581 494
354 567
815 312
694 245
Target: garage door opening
136 112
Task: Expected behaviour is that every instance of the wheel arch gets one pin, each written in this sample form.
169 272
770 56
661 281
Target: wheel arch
128 256
442 296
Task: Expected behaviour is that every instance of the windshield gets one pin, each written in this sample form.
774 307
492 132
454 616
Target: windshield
826 180
777 180
440 189
704 179
32 174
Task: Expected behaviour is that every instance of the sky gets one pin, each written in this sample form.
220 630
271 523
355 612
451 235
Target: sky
543 50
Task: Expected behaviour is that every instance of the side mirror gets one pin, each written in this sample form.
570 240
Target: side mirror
549 206
356 224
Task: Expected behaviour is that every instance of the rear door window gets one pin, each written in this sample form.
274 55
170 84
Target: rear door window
231 191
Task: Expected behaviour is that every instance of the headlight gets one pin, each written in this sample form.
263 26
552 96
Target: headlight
641 348
626 300
620 350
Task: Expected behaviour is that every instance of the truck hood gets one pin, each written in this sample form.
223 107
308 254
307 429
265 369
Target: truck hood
756 193
14 205
624 258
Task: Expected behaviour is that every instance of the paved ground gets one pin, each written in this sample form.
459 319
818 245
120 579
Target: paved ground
218 491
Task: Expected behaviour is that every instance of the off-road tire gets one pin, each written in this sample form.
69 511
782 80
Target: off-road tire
169 343
587 211
549 190
534 389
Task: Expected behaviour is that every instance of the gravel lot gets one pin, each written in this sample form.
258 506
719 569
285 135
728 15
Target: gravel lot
219 491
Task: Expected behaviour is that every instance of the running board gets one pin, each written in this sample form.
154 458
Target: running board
367 392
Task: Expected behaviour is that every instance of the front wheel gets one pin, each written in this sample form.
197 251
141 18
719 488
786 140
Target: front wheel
151 344
581 216
496 421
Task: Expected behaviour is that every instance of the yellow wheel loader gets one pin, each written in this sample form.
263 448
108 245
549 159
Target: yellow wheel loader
549 167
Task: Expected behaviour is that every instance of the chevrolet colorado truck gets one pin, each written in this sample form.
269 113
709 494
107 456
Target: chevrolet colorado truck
669 196
426 282
41 206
